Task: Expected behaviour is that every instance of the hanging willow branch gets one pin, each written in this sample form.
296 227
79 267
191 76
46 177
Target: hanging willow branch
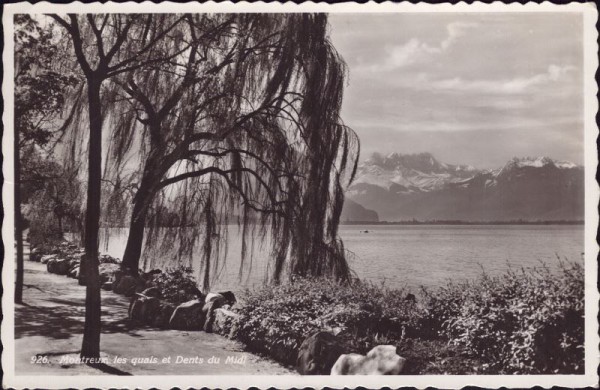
229 118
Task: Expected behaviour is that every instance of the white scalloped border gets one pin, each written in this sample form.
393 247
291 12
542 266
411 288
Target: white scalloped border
592 354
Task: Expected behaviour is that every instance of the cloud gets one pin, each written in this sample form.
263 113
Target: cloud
517 85
399 56
415 50
423 82
455 31
447 123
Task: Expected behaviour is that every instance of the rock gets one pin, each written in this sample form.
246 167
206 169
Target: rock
212 296
229 297
138 287
381 360
117 275
46 258
62 267
318 353
50 265
106 259
188 316
74 262
135 309
153 308
74 272
58 266
107 271
225 322
152 292
144 309
212 303
164 313
141 286
149 276
74 266
35 255
126 285
108 286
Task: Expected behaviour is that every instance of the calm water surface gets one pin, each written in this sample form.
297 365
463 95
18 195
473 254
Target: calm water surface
406 256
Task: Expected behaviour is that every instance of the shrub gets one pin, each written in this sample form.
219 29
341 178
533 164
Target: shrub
44 236
277 319
177 285
520 322
525 322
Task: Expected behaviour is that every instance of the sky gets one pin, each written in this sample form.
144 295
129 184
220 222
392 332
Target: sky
469 88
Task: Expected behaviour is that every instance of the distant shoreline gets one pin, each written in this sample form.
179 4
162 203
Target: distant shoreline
452 222
414 222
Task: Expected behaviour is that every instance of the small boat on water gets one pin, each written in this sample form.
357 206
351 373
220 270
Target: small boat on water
364 231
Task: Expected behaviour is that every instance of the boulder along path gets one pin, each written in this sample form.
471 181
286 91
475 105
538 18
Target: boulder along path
49 327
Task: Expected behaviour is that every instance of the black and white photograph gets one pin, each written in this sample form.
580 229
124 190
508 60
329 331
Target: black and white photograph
237 195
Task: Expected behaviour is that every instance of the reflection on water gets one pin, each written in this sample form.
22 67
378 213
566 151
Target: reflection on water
403 255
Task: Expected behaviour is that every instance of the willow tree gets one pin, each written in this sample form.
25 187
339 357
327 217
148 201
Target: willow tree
244 120
104 46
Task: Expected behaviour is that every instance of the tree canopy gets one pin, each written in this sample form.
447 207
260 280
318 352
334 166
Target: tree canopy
227 118
196 119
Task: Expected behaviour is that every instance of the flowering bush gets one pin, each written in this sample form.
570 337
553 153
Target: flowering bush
177 285
520 322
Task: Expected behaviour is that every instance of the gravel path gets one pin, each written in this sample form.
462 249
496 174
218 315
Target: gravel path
49 325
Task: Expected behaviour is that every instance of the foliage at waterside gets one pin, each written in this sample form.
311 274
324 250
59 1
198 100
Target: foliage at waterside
522 322
277 319
177 285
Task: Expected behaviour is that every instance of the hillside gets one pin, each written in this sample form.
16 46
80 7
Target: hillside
353 212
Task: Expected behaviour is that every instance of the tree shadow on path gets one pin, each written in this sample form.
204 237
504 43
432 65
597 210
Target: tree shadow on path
55 308
63 321
108 369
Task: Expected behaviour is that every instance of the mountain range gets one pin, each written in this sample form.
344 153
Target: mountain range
400 187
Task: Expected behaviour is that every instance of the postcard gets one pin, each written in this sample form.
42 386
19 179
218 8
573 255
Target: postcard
289 195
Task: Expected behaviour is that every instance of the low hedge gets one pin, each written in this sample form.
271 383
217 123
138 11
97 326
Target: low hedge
526 322
276 320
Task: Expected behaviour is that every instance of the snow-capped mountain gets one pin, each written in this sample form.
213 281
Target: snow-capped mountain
400 187
411 172
534 162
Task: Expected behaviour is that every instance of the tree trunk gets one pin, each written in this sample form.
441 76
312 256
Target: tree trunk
91 333
83 265
81 233
18 222
60 226
135 239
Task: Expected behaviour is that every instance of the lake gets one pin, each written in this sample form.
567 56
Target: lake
407 256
